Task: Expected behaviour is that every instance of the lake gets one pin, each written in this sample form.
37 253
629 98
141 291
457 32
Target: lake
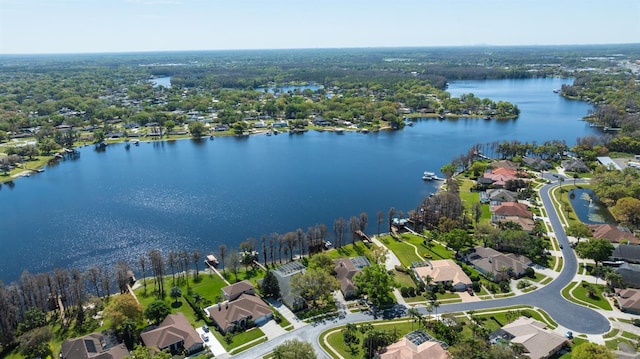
119 204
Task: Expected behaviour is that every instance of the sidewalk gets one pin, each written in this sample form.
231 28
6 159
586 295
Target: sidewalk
287 313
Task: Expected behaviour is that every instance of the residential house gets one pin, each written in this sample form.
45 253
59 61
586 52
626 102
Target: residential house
346 269
94 345
514 209
416 345
513 212
537 164
537 341
233 291
504 164
500 176
628 300
629 253
221 128
239 311
613 233
630 274
175 334
280 124
574 165
488 260
283 275
444 271
497 196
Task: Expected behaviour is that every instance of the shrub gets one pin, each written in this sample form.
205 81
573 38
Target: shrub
475 286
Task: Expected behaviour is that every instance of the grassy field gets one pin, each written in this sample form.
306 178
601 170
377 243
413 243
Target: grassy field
406 248
350 250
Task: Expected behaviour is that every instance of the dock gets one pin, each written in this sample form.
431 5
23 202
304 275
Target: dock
363 236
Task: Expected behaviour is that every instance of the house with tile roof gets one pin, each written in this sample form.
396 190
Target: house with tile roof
507 209
233 291
346 269
416 345
628 300
613 233
175 334
444 271
537 341
92 346
237 313
488 260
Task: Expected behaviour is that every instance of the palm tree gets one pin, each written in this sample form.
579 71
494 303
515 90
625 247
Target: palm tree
414 314
436 304
429 309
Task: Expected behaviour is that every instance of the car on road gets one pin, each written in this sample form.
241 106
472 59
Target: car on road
561 247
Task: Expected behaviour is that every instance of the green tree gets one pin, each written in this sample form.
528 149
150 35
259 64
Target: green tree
579 230
122 307
157 310
270 286
169 125
197 129
175 293
313 285
457 239
591 351
597 249
34 343
627 211
33 318
294 349
375 283
321 261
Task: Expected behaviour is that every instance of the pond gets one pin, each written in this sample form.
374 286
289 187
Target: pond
588 208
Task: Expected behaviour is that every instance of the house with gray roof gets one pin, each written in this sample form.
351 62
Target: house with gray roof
497 196
574 165
629 253
346 269
488 260
283 274
238 312
93 346
175 334
630 274
233 291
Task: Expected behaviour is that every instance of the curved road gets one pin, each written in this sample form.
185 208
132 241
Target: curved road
572 316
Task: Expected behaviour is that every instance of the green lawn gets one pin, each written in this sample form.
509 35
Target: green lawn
336 341
598 300
239 339
350 250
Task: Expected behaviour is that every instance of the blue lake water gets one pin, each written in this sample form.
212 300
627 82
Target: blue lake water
120 203
162 81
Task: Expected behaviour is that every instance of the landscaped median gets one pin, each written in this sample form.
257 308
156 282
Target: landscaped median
587 294
333 340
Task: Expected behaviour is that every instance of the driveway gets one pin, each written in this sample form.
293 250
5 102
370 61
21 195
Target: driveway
214 345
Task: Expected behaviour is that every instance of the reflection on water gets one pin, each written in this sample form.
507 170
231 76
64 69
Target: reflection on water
588 207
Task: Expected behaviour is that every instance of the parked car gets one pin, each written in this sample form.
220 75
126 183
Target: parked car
205 328
204 337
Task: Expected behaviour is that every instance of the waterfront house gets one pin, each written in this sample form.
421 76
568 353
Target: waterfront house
283 274
443 271
504 164
221 128
233 291
574 165
538 341
536 163
94 345
237 313
346 269
507 209
500 265
280 124
496 196
174 334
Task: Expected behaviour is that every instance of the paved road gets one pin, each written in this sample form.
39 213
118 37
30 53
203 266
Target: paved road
574 317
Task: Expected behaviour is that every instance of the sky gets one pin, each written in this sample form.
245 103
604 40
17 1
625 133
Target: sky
90 26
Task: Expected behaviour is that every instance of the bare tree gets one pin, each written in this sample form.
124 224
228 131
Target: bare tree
223 252
142 262
392 212
354 225
234 261
339 227
263 239
185 259
290 238
157 266
364 219
122 275
380 220
273 239
196 259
